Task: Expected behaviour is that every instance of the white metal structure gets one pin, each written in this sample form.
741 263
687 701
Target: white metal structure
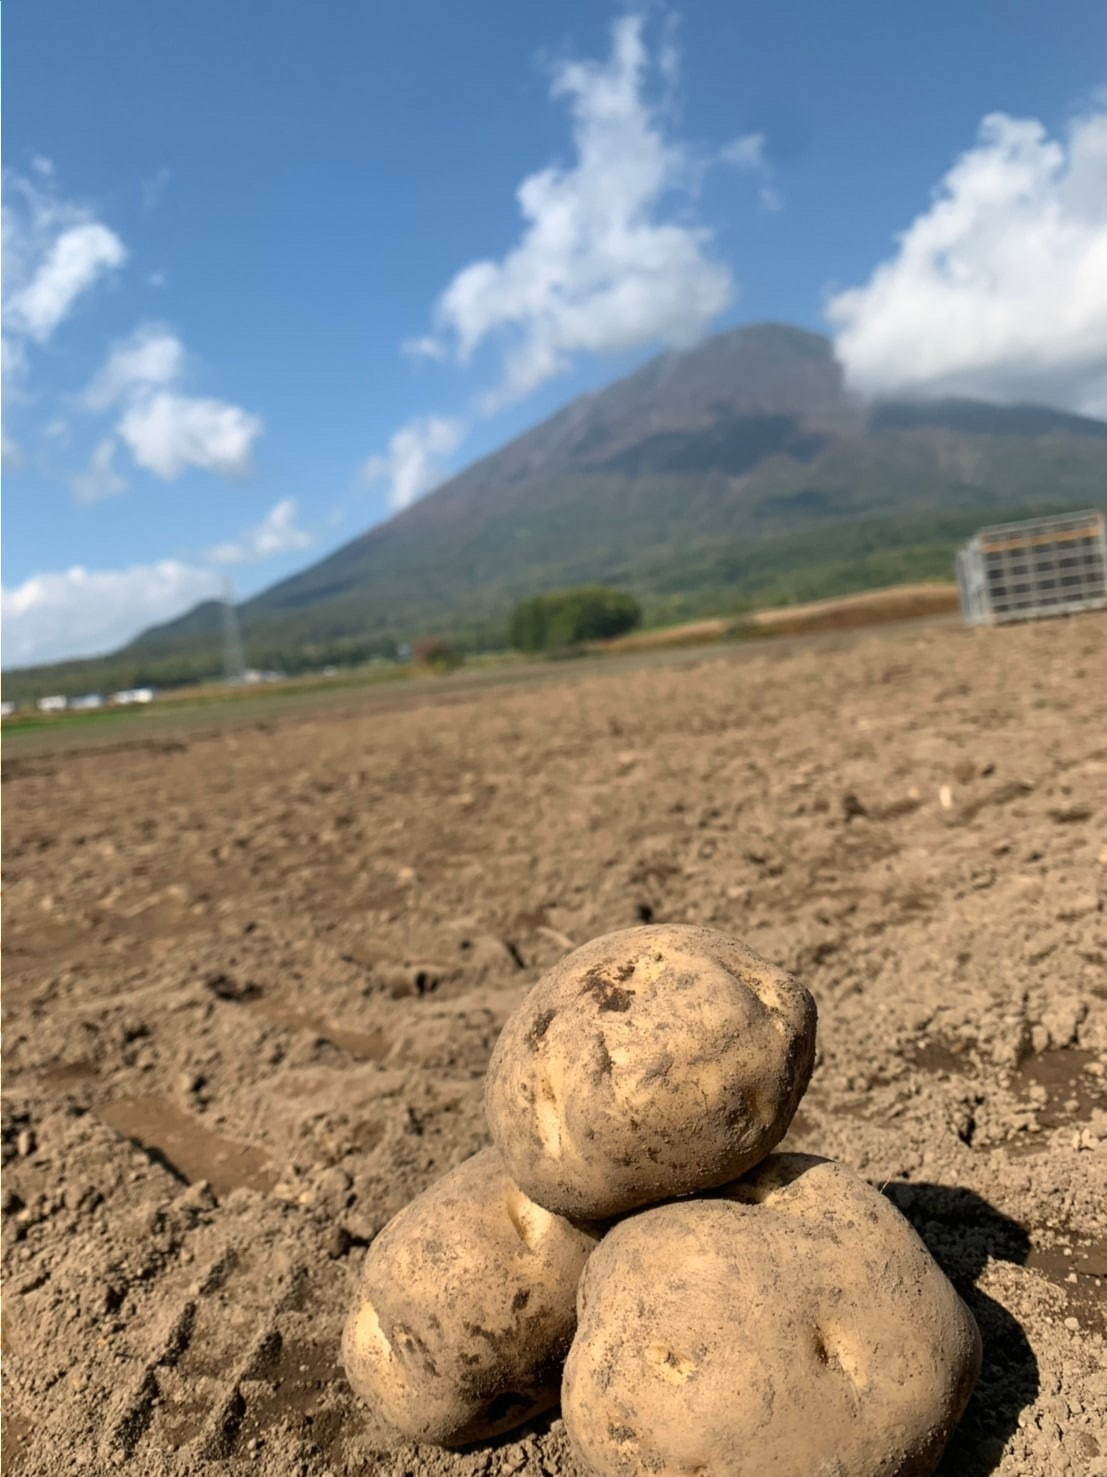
234 658
1043 566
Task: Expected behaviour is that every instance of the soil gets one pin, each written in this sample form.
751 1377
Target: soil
870 607
930 600
253 978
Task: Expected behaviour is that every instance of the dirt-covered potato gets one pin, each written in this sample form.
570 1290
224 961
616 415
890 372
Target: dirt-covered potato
647 1064
466 1306
792 1323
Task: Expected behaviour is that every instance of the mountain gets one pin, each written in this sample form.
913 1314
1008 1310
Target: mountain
741 468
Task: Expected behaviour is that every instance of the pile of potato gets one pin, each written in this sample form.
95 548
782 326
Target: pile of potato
769 1313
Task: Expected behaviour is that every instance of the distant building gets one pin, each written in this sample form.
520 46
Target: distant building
88 700
6 709
1042 566
132 695
57 703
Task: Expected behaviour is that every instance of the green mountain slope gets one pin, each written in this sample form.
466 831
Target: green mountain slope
740 469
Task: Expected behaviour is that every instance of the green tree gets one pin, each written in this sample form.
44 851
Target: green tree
563 619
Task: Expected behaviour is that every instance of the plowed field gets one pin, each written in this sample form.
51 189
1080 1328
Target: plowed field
253 977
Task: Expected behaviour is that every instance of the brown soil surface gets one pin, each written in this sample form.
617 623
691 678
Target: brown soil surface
844 612
253 978
691 633
869 608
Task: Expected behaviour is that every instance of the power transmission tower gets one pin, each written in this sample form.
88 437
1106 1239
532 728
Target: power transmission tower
234 658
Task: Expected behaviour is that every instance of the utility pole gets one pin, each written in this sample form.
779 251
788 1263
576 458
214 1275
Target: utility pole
234 659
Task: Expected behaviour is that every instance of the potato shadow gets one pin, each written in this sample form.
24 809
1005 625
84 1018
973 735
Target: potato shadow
538 1425
963 1232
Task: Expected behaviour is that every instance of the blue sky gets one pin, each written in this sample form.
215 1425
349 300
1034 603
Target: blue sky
245 311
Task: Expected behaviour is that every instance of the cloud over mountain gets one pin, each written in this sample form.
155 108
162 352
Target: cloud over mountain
412 463
608 258
605 261
79 611
999 288
277 533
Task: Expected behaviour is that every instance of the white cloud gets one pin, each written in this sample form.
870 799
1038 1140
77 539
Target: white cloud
13 370
82 612
13 359
425 346
999 288
34 216
277 533
75 260
411 462
747 152
167 432
101 479
605 263
152 356
54 252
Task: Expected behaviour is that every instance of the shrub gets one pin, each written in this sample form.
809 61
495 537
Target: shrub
564 618
438 653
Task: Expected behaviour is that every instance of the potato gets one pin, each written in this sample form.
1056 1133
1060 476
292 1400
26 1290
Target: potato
792 1323
466 1307
647 1064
